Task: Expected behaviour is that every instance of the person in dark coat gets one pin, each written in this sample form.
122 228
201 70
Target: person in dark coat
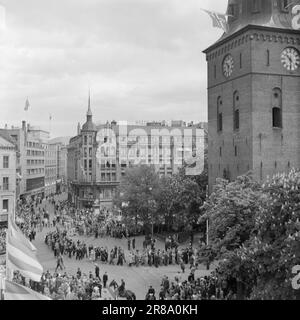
105 279
97 271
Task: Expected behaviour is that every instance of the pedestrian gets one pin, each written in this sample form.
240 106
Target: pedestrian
133 243
105 279
129 244
97 271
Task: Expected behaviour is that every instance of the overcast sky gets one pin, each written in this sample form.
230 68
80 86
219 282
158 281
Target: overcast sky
142 60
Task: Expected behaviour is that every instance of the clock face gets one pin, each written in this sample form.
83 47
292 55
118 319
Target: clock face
228 65
290 59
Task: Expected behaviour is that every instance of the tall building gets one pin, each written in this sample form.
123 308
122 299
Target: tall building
99 155
31 167
8 161
254 92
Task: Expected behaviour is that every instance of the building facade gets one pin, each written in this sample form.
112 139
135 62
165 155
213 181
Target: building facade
254 92
99 155
8 177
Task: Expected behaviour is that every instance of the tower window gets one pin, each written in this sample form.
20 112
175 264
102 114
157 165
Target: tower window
219 115
256 5
284 5
232 11
268 57
236 111
277 108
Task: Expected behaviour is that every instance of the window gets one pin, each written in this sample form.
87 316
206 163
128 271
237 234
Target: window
85 165
85 152
256 5
5 162
90 152
5 205
220 151
5 184
215 71
236 111
268 57
277 108
284 5
85 140
235 151
90 164
219 115
232 10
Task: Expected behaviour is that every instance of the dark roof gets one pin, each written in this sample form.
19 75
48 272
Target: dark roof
89 126
7 137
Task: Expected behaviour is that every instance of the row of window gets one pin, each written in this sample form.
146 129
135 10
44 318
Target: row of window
35 153
35 162
88 140
31 172
34 145
276 110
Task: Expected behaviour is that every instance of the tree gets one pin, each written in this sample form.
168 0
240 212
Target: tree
137 191
231 210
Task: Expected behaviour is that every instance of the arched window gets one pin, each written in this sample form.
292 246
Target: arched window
277 108
236 111
219 114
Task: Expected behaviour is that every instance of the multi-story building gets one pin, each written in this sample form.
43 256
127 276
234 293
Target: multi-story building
51 168
99 155
254 92
8 161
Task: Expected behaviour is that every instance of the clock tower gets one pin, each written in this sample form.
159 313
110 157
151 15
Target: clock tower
254 92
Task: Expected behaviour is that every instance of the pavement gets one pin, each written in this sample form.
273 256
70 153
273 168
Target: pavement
137 279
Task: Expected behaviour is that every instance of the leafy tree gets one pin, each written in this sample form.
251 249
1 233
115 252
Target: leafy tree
137 193
231 210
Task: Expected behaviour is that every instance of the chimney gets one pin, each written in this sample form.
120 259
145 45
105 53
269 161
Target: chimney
78 129
23 125
28 126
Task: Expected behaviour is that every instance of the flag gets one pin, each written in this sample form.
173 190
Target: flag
27 105
219 20
14 291
21 254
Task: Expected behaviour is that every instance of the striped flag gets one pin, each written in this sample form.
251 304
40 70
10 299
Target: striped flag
15 292
219 20
27 105
21 255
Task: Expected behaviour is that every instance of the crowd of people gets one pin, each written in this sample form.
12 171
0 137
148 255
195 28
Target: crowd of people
62 286
206 288
67 222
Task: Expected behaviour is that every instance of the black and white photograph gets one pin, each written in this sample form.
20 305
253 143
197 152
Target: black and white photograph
149 151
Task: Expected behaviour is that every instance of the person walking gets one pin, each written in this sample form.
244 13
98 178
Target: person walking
105 279
97 271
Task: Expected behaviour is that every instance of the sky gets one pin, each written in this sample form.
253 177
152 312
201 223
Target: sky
141 59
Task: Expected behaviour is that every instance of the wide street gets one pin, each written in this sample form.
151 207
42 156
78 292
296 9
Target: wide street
137 279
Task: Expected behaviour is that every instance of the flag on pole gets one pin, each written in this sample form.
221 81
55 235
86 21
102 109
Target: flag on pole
219 20
14 291
27 105
21 255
